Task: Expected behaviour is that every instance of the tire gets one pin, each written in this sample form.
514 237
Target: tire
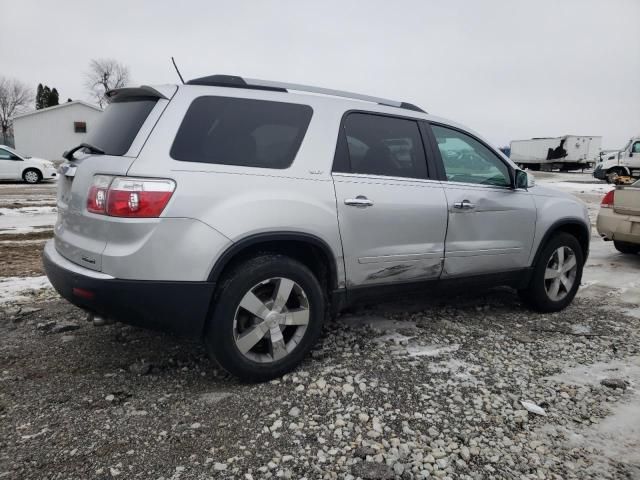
260 278
32 175
624 247
539 294
613 173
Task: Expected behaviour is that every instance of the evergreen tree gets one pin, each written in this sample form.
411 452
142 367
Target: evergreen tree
54 98
46 94
39 97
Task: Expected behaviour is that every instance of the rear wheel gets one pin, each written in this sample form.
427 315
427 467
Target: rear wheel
624 247
556 275
31 175
267 315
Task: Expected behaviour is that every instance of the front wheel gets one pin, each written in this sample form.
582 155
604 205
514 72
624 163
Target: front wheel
624 247
32 176
268 314
556 275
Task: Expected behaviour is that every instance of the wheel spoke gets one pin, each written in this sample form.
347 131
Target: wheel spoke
566 282
248 340
282 294
569 264
550 273
278 347
560 254
296 317
254 305
555 288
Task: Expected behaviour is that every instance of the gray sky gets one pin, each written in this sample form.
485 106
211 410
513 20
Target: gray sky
509 69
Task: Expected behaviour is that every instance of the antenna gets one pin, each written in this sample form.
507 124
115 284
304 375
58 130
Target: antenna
177 71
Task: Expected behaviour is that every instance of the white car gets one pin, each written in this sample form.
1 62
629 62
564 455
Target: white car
14 166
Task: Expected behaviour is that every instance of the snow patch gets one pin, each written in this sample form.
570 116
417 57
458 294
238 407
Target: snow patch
431 350
13 289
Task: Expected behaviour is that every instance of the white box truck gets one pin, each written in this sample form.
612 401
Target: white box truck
625 162
570 152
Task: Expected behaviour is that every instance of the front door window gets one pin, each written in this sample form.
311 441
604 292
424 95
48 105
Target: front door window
467 160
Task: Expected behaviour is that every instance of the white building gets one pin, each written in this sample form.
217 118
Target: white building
48 132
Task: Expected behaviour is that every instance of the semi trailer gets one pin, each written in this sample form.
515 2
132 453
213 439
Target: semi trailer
569 152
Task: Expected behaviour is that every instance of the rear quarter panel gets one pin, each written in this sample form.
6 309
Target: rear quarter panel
239 202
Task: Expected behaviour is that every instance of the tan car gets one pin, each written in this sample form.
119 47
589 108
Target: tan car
619 218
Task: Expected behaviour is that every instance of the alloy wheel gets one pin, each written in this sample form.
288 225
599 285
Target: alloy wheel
31 177
560 274
271 320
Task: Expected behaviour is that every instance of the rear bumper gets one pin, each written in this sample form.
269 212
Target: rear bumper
615 226
177 307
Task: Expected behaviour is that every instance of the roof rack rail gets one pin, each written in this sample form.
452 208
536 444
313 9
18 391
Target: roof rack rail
256 84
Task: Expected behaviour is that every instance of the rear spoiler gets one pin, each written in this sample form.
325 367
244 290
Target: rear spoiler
142 91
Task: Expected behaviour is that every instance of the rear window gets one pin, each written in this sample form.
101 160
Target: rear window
119 124
240 131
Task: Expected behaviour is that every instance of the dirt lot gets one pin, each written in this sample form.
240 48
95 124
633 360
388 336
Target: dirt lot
417 388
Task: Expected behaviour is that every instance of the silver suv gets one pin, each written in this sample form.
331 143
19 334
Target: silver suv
246 212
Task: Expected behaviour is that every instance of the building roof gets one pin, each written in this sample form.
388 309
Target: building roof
62 105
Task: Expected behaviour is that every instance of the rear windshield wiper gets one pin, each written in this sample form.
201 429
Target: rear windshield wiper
91 148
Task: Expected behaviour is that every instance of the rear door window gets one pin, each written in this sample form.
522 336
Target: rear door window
240 131
382 145
120 123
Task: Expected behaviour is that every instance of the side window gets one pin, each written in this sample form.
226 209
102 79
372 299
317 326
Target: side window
239 131
379 145
467 160
4 155
636 148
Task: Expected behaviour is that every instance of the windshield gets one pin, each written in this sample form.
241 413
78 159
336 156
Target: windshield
119 124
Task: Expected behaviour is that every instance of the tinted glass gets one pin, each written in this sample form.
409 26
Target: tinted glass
239 131
467 160
636 148
5 155
119 124
379 145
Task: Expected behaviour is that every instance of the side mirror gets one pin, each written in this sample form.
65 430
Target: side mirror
523 180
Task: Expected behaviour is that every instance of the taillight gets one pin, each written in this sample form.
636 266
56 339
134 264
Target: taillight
129 196
607 200
97 199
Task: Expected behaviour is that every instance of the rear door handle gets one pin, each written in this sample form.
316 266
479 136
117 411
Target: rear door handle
464 205
360 201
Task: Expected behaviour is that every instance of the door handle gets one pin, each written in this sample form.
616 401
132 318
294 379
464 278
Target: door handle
464 205
360 201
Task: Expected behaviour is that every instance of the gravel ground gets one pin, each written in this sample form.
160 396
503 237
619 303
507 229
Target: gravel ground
417 388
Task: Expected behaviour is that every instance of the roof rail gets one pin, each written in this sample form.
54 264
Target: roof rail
256 84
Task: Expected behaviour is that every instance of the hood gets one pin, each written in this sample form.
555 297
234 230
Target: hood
548 191
38 160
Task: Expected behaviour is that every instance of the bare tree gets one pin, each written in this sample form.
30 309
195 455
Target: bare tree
105 74
14 98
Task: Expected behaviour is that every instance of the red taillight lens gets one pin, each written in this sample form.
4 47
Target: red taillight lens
607 200
97 198
130 197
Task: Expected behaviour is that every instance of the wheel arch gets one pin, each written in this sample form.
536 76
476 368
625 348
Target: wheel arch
575 227
304 247
618 167
35 169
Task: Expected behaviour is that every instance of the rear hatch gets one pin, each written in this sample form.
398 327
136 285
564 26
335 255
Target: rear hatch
627 200
81 236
